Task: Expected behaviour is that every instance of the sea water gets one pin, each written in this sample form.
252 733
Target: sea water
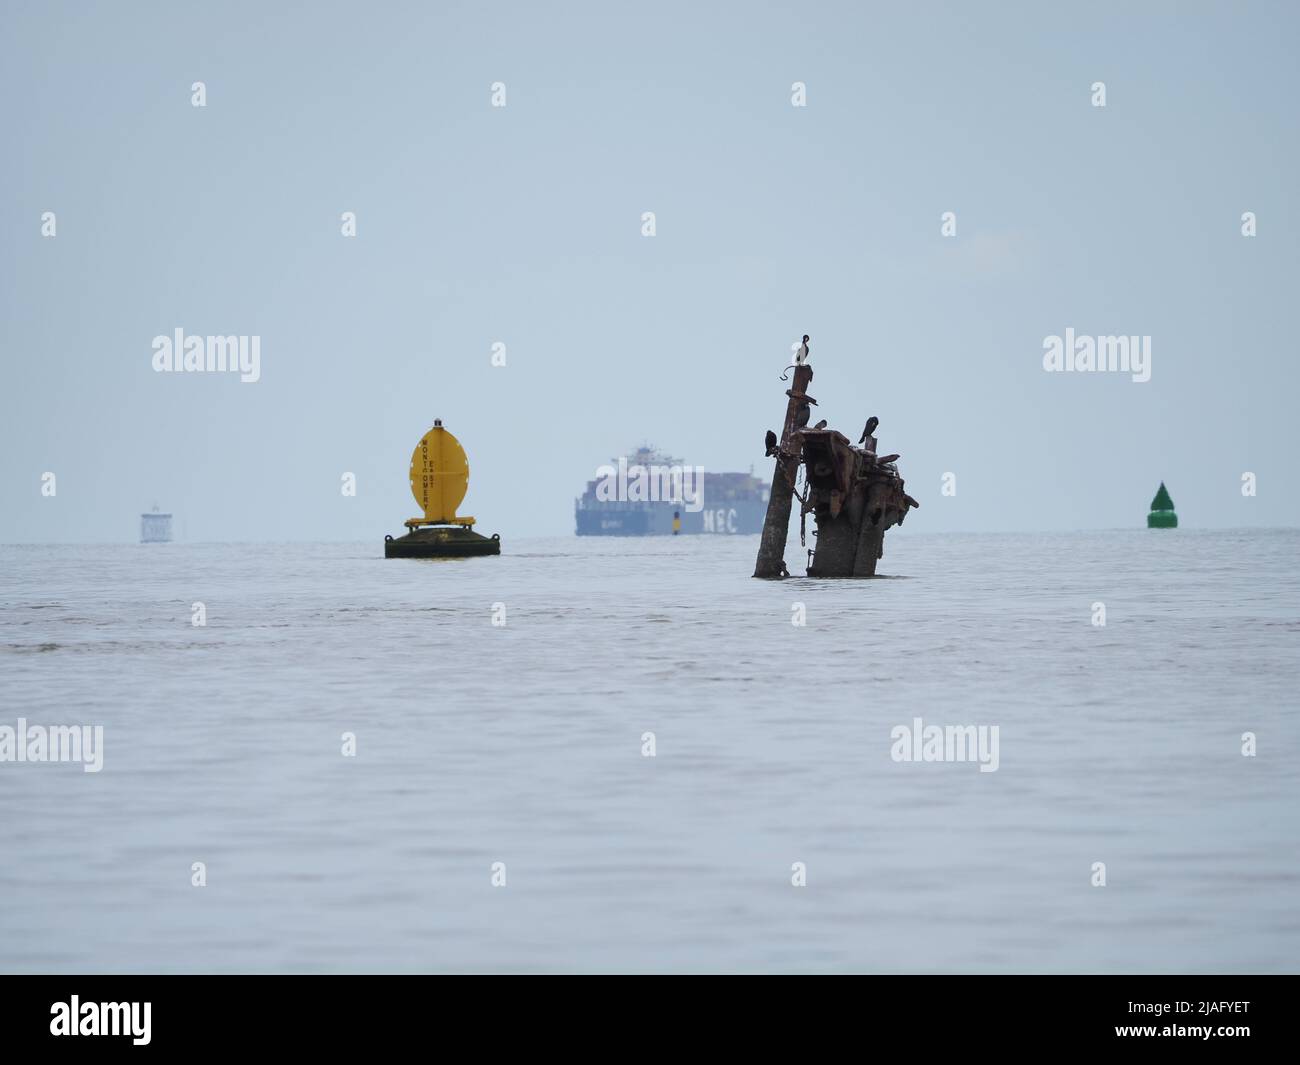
628 755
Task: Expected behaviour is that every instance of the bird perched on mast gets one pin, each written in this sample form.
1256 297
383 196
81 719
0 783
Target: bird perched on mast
872 422
801 356
769 442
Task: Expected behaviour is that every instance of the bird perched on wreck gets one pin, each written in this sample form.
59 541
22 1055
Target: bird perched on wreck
769 442
801 356
872 422
821 424
802 415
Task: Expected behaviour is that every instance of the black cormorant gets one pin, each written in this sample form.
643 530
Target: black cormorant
801 356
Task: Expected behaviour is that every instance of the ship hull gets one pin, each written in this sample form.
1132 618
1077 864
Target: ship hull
736 518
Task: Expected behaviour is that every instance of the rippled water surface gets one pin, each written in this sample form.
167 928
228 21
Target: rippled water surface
522 744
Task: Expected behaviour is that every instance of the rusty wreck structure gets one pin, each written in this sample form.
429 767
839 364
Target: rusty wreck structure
853 494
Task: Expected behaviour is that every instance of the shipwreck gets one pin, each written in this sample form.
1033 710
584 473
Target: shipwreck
853 493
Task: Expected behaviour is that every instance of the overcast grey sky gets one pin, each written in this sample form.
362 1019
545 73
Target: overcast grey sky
522 225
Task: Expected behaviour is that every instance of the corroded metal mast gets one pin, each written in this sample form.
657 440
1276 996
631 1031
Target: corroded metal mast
776 526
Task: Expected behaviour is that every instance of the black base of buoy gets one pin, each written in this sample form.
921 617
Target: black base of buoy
441 541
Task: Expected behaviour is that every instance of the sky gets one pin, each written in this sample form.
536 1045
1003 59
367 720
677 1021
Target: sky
522 225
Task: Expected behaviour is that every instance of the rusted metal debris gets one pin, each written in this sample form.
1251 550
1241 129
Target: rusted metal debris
853 495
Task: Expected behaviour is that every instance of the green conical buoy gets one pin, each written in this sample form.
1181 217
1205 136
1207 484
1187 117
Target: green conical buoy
1162 514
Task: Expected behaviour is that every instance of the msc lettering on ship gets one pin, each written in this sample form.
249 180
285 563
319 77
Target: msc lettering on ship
720 520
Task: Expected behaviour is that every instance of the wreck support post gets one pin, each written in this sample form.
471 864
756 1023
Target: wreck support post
870 544
776 526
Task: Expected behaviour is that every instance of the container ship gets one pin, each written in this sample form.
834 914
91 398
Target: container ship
155 528
648 493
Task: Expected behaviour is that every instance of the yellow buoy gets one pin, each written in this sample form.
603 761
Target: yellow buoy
439 478
439 481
